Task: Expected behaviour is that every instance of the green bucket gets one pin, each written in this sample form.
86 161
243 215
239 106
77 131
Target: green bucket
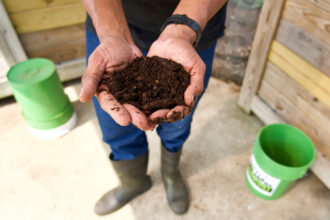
281 155
38 90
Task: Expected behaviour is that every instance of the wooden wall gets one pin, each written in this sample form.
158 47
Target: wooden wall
296 80
293 80
49 28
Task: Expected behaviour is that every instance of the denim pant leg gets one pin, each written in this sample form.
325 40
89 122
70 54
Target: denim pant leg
173 135
126 142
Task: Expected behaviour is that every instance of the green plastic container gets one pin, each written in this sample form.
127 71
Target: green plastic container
39 92
281 155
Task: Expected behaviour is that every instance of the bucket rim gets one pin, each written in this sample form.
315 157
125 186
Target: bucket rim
302 168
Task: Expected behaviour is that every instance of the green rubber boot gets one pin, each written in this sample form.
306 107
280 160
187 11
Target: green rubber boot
176 190
134 181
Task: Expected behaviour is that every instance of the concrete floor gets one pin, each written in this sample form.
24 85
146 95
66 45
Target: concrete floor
61 179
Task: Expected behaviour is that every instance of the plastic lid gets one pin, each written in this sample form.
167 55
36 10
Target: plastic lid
31 71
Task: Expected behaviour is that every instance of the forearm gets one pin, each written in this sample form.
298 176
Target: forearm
108 18
200 11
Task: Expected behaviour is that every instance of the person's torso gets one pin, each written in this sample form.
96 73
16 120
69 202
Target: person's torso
148 14
145 18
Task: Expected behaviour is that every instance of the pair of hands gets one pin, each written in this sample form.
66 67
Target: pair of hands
115 53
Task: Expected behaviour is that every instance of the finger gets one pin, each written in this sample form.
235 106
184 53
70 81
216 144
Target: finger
110 105
196 85
178 113
112 68
138 118
91 77
151 51
136 52
102 87
89 84
159 116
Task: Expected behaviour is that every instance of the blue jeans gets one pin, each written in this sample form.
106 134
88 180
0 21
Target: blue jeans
129 142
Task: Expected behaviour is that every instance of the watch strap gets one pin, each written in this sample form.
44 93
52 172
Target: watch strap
183 19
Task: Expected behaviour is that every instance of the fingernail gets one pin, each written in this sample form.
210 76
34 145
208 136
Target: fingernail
193 99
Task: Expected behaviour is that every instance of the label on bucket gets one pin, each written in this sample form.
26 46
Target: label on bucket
260 180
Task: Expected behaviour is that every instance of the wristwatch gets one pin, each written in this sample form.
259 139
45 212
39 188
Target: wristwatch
183 19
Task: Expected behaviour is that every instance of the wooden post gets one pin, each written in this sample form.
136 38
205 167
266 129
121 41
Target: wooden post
5 51
9 34
267 24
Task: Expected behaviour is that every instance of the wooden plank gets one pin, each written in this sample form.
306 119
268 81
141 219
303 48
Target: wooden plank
67 71
305 74
308 17
6 53
322 4
289 99
10 37
264 113
267 24
287 110
297 93
299 41
58 45
320 167
26 5
48 18
71 69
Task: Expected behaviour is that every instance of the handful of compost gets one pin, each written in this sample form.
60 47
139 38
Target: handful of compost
150 84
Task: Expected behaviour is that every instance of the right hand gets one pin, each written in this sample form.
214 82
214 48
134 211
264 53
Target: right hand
113 54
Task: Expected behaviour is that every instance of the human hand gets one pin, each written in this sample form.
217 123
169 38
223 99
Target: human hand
175 43
113 53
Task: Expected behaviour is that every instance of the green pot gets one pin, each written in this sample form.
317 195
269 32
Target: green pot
39 92
281 155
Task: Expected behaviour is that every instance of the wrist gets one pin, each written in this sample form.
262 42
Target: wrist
180 32
106 31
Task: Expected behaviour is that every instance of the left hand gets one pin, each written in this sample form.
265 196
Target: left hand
112 54
175 43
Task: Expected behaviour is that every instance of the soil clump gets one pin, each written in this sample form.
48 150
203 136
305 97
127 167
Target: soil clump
149 83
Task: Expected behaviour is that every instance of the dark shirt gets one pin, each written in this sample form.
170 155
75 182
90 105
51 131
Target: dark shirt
145 17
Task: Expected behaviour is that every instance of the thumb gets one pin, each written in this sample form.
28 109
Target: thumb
196 85
136 52
91 78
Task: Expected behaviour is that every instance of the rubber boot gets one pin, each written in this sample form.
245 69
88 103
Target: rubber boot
134 181
176 190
